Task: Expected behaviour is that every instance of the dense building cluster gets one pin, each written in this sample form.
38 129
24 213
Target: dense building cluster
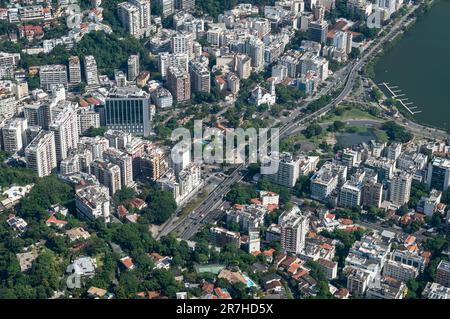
366 220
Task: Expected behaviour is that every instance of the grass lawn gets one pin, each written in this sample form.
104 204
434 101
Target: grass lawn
300 143
350 113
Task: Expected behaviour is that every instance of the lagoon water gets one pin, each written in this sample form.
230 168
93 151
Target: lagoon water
419 65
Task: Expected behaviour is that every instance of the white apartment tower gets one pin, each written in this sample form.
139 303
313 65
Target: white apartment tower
124 161
129 17
13 133
182 42
200 78
184 4
90 70
144 9
65 128
400 188
288 170
52 74
40 154
87 118
167 7
294 227
255 49
133 67
74 70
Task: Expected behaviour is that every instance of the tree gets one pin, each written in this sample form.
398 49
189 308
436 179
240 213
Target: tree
124 195
302 187
446 197
161 206
396 132
241 194
44 274
337 126
95 131
312 130
46 192
376 94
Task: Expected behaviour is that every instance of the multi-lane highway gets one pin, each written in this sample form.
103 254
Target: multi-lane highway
209 210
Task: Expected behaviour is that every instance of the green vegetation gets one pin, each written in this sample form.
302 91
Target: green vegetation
316 272
319 103
312 130
350 113
110 51
396 132
241 194
47 191
161 205
347 239
286 94
95 131
14 176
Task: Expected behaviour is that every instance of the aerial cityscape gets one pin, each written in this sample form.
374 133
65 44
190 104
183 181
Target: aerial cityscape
235 149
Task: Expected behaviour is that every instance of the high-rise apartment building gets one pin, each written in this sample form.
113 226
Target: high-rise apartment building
443 273
108 174
87 118
166 60
318 31
438 174
40 154
179 83
135 16
350 195
400 188
144 8
372 194
124 161
294 227
129 17
90 70
92 202
255 50
185 4
14 134
167 7
200 77
52 74
65 127
182 43
288 170
133 67
243 65
74 70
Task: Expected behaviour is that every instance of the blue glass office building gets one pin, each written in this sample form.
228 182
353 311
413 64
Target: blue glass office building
128 109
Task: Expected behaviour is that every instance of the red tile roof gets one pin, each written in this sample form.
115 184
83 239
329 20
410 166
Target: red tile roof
345 221
221 294
269 252
153 294
127 262
53 220
122 211
93 100
137 203
207 287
